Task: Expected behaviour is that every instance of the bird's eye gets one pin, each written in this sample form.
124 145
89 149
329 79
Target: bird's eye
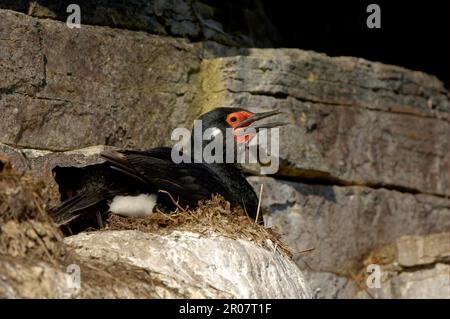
233 119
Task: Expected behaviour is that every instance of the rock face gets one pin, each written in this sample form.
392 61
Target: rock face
364 164
44 164
347 225
356 122
57 101
190 263
195 20
430 283
418 268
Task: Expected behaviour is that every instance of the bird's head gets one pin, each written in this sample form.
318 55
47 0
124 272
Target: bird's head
237 120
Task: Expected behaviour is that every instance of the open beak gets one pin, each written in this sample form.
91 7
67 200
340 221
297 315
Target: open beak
259 116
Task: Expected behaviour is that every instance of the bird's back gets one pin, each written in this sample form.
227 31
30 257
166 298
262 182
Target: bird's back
133 172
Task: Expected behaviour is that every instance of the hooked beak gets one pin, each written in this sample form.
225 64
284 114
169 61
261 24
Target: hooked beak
259 116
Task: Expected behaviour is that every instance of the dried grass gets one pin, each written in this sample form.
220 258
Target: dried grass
213 216
26 230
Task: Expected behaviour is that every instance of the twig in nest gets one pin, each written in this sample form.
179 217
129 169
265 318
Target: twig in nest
259 203
166 216
245 211
172 199
305 251
193 215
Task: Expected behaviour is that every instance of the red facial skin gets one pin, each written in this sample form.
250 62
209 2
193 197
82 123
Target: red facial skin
233 119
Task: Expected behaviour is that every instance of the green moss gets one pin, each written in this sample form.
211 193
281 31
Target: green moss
210 87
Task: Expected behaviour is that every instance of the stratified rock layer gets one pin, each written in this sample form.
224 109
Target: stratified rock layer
366 155
348 228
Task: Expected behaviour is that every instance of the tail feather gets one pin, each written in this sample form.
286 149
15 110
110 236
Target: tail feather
120 163
71 208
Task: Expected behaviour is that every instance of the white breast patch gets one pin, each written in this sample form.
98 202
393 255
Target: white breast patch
140 205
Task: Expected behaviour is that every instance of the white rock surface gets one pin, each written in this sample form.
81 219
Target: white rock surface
198 266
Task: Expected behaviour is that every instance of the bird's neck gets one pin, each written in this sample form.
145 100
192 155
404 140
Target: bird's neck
220 155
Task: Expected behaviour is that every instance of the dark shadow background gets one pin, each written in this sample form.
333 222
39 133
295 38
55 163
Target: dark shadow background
414 35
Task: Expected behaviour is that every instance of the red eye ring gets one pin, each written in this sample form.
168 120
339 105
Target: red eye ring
235 118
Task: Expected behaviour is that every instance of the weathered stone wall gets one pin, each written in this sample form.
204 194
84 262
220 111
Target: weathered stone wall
349 227
365 162
355 121
125 84
234 23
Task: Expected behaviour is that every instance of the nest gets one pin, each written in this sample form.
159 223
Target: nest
214 216
26 230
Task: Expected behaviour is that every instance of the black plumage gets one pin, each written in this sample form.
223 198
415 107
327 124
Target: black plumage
129 172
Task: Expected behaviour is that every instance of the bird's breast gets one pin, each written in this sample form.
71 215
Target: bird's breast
139 205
